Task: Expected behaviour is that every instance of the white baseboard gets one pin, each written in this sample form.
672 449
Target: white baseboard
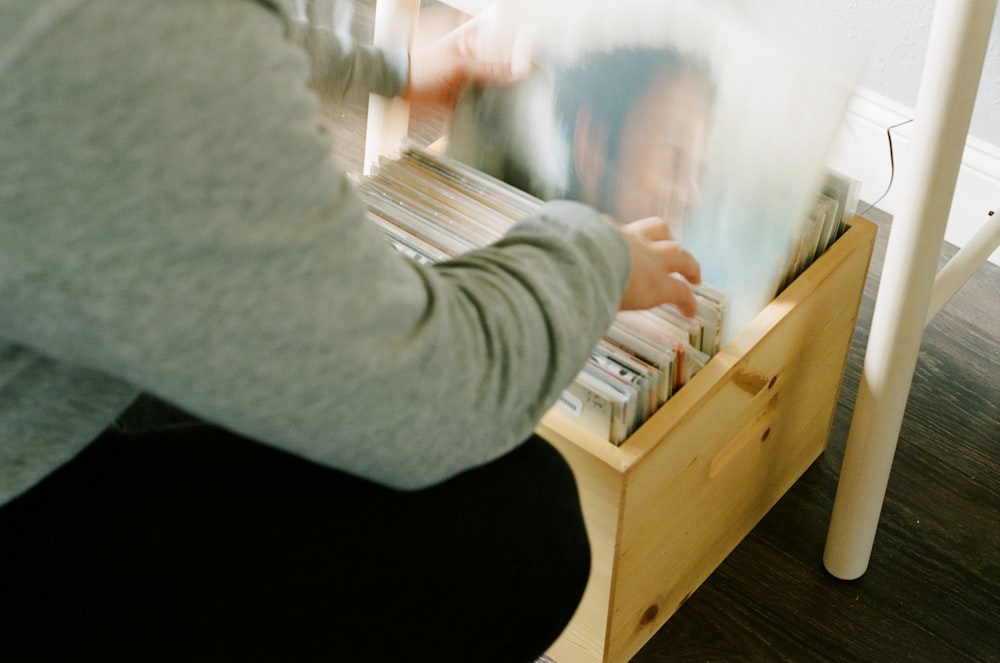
861 151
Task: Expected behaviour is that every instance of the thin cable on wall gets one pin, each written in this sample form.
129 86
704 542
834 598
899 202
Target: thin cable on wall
892 166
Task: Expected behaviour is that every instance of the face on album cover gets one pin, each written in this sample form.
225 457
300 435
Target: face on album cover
681 110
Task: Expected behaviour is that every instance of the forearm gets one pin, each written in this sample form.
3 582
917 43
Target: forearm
210 253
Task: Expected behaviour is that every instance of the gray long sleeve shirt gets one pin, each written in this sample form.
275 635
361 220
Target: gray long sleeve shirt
171 222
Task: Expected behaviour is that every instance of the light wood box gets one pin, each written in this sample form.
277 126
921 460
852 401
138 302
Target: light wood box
665 508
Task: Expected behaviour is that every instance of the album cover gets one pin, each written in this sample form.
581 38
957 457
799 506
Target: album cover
681 109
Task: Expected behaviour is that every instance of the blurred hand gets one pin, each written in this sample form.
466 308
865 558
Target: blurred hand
657 261
441 67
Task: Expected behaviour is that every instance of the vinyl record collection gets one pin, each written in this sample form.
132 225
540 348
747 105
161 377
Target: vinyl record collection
824 223
431 208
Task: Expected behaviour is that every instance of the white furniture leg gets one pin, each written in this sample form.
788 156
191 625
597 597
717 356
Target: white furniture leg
389 119
964 264
958 40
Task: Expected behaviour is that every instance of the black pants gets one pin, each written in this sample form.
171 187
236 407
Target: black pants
198 545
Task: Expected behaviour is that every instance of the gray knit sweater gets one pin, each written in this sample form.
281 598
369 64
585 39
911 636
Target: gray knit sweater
171 222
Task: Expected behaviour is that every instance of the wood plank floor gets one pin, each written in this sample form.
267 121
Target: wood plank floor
932 591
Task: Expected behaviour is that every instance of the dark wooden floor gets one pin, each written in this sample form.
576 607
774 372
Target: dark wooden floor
932 591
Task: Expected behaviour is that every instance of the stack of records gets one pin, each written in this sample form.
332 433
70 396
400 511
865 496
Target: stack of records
432 208
825 222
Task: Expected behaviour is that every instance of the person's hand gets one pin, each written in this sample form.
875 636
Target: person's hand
657 262
441 67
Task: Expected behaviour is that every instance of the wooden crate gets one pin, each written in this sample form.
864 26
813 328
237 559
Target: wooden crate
665 508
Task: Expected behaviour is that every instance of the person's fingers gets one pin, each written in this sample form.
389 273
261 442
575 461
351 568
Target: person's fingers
499 64
677 270
440 69
679 293
662 272
676 259
652 228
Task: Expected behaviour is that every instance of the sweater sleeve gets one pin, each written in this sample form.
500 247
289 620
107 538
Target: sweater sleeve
183 229
340 66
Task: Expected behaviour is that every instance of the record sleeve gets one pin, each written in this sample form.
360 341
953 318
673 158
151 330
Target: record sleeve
681 109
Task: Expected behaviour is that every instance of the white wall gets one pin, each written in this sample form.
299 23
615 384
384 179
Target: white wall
892 37
894 33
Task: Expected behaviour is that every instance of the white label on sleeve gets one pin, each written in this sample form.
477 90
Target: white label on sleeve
571 403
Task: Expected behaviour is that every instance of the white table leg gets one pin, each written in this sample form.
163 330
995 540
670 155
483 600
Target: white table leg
964 264
957 48
389 119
